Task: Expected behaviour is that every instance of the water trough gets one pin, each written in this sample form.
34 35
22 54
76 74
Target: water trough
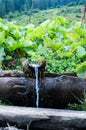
42 100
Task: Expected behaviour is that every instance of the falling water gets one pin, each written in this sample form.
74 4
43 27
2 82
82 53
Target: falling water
36 66
37 87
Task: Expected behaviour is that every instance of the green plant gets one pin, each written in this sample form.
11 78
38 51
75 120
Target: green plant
61 42
81 70
74 106
81 105
4 102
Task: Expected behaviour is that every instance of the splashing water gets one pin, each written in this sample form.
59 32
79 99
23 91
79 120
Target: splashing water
37 86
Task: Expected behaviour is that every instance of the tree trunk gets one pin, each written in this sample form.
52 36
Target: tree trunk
49 119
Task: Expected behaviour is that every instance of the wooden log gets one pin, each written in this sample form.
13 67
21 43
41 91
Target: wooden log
11 73
54 92
10 128
17 73
49 119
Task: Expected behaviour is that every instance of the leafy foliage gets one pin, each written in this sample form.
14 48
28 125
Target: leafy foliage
81 105
61 42
81 69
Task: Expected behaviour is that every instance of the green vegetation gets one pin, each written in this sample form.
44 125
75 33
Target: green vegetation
72 13
60 41
81 105
81 69
7 6
4 101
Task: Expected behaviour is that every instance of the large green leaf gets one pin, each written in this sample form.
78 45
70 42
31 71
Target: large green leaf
81 70
2 53
80 51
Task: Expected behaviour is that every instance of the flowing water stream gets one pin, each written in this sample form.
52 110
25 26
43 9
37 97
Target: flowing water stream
36 67
37 86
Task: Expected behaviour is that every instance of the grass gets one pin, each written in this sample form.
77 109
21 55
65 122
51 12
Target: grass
72 13
82 103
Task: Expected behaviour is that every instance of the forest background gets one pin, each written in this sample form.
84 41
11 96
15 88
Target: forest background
7 6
